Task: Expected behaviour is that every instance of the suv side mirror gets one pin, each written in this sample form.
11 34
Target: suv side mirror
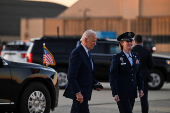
1 62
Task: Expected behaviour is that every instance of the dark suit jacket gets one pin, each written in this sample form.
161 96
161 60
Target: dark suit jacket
146 61
124 78
80 75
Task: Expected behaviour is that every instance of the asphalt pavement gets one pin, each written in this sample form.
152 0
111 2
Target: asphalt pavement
103 102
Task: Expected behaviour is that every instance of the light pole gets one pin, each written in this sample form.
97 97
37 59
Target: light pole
85 16
84 12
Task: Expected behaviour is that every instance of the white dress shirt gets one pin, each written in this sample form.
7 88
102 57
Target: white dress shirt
87 52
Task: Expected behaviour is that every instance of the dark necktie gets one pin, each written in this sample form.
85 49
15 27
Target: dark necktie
130 56
130 60
90 59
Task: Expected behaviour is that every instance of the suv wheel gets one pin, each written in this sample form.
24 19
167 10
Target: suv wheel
35 99
158 80
62 78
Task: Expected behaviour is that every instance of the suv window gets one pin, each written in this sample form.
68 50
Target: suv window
61 47
148 43
15 51
114 49
105 48
55 46
99 48
15 47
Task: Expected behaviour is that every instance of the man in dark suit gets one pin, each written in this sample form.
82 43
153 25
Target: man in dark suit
80 74
125 74
146 65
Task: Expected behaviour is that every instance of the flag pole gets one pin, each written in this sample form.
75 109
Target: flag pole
48 58
43 55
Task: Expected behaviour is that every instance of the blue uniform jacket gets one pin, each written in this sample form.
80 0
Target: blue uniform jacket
80 75
124 78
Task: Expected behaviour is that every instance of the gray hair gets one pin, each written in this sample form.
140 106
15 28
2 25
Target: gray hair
87 34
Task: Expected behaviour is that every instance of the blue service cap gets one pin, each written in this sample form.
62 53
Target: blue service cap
127 36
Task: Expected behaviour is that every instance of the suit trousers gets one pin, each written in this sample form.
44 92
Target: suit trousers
78 107
125 105
144 100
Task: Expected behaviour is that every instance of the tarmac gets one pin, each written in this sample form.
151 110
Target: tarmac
103 102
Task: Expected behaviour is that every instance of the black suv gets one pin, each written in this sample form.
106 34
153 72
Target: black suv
102 55
149 44
27 87
60 48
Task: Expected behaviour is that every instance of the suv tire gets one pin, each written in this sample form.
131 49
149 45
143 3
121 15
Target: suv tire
62 78
36 96
158 80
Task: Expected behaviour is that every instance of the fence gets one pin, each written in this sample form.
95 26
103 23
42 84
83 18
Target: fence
75 27
156 28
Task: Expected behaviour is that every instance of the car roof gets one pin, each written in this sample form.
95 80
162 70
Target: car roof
70 38
60 38
33 39
17 42
108 40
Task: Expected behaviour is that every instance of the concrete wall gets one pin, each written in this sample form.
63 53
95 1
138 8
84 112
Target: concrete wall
50 27
160 26
76 27
129 9
162 47
32 28
155 8
4 38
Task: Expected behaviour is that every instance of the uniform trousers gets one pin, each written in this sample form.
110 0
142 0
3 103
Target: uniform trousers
144 100
125 105
78 107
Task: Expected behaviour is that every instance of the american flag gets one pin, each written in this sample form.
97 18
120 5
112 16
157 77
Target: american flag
48 58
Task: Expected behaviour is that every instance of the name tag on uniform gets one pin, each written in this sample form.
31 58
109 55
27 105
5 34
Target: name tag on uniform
123 63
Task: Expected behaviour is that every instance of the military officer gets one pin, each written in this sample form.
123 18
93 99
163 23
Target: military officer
146 65
125 74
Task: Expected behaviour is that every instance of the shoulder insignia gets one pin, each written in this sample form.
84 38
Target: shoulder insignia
129 34
121 58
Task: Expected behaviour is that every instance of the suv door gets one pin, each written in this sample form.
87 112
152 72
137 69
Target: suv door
102 56
5 86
